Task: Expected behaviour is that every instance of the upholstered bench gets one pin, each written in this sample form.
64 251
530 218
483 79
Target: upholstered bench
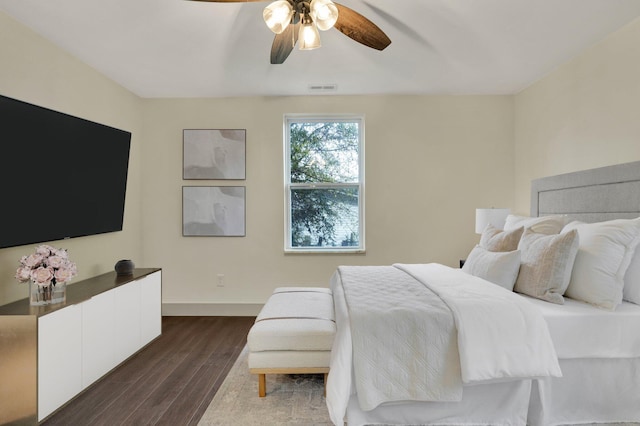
293 334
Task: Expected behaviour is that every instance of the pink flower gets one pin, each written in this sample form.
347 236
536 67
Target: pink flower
55 261
48 265
33 260
72 267
42 276
63 275
44 250
23 274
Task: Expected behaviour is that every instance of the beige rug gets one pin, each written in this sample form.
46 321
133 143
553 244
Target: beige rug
291 400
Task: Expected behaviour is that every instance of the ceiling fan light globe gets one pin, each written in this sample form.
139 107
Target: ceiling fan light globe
309 37
278 15
324 13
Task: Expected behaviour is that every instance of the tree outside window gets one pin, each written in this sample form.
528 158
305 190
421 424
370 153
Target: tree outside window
324 180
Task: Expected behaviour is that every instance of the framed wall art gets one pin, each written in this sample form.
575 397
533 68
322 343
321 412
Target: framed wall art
214 154
213 211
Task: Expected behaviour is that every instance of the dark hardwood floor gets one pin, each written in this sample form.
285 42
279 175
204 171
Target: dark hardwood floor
170 382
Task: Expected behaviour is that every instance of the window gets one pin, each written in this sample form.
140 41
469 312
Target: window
324 180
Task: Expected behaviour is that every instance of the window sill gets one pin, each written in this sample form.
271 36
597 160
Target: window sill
325 251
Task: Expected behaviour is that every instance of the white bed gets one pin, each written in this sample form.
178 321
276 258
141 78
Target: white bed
598 350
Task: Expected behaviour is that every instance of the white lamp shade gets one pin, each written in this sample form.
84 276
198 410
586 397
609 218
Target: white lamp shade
495 217
278 15
324 13
309 36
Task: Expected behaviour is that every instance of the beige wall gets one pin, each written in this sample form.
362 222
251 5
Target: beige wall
35 71
430 161
585 114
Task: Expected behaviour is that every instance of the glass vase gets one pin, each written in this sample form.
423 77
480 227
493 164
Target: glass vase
47 295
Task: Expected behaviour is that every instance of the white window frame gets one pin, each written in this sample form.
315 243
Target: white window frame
288 186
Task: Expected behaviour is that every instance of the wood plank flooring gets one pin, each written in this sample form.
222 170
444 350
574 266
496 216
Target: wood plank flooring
170 382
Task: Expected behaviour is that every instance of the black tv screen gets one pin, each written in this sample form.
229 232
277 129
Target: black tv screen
60 176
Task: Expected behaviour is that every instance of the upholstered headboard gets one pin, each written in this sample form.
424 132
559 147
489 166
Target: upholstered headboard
594 195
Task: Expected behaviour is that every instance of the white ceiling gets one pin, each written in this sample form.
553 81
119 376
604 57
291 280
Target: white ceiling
179 48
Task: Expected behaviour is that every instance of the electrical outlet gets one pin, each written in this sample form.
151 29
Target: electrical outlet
220 280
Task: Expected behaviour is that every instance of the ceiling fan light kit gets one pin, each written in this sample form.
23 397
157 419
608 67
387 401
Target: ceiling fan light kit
278 15
293 20
319 14
324 14
309 36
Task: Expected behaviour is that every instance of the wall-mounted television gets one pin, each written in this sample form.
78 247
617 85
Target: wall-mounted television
60 176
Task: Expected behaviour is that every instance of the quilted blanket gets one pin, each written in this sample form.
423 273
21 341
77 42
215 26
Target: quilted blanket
420 332
398 354
500 335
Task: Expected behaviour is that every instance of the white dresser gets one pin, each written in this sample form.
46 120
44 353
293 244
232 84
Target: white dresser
60 350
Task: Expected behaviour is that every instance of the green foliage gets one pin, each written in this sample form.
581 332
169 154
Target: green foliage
323 153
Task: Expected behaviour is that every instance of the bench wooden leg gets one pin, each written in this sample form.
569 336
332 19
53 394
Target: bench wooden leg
325 384
262 375
262 385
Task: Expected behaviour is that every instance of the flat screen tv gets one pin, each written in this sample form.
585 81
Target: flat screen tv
60 176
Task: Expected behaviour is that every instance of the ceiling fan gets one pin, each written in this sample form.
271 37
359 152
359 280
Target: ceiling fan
299 20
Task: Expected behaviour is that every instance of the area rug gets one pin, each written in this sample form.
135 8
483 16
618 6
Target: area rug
292 400
295 399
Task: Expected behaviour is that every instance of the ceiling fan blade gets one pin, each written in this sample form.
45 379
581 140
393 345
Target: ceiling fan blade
284 43
360 29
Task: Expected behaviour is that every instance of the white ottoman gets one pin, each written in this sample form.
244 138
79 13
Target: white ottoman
293 334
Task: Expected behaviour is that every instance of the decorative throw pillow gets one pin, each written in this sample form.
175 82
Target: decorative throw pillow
500 268
631 291
604 254
494 239
547 261
541 225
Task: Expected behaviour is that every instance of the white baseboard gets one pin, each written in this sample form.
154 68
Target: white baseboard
211 309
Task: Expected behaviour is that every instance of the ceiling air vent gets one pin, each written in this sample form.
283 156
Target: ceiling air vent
323 88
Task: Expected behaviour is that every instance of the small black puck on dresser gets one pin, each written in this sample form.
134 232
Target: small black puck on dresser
124 267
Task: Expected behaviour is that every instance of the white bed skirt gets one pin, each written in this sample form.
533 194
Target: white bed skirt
491 404
591 391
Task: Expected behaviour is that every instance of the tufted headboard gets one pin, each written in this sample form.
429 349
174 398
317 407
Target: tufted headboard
605 193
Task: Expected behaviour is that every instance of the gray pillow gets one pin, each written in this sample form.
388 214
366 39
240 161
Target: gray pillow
547 262
494 239
542 225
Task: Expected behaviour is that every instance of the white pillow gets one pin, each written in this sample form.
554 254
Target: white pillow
547 262
603 257
631 292
540 225
500 268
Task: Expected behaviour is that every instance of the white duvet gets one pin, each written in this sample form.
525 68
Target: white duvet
419 332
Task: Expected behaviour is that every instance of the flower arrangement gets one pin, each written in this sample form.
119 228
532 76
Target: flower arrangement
46 267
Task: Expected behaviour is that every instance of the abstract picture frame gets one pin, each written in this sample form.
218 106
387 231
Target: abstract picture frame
214 211
214 154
